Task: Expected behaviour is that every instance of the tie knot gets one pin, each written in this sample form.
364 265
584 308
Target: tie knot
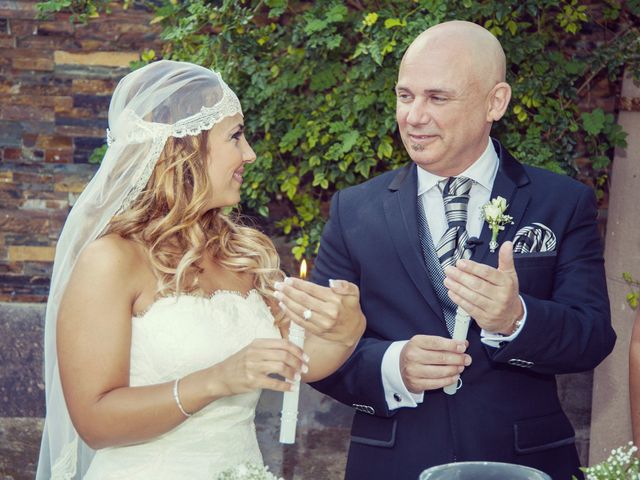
457 187
456 199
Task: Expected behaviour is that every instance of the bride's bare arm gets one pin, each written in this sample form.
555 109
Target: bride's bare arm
334 328
94 343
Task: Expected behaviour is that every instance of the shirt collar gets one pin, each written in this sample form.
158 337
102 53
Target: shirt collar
483 171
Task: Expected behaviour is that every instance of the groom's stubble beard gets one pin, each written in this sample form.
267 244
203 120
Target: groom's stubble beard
417 148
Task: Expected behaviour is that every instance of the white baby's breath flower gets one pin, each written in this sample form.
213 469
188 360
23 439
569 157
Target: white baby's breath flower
248 471
622 464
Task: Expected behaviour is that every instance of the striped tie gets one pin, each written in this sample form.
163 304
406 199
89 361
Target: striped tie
435 270
456 199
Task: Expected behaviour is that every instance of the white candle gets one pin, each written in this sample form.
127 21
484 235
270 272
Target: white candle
461 325
460 329
289 418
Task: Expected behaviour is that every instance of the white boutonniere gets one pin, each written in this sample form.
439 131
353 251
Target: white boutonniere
493 214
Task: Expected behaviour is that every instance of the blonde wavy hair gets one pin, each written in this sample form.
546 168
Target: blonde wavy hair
171 219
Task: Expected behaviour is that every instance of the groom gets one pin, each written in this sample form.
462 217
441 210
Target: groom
538 302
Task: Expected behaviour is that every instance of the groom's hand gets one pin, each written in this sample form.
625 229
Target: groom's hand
490 295
428 362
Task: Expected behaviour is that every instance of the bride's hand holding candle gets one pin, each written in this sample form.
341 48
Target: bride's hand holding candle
331 317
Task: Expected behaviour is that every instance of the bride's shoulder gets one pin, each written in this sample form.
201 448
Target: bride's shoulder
114 246
110 267
112 253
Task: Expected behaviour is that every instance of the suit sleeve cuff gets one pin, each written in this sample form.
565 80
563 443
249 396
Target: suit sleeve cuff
395 391
495 340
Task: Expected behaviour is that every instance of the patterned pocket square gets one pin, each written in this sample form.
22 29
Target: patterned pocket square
534 238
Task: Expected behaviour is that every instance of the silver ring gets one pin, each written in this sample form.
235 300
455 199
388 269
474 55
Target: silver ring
307 314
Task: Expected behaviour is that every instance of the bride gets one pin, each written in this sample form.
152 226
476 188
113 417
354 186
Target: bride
162 325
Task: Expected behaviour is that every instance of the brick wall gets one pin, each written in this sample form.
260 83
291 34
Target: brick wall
56 81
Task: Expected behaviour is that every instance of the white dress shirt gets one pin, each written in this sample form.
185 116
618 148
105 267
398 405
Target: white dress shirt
483 173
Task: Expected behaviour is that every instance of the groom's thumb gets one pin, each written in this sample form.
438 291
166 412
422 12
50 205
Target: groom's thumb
505 258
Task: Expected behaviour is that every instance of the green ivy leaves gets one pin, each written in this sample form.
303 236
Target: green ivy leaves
316 81
602 133
633 296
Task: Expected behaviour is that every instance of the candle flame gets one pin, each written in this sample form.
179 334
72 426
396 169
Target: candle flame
303 269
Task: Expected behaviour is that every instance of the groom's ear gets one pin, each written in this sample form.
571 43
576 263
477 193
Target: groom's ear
498 101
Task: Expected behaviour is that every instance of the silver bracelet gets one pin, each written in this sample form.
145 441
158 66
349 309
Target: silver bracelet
176 397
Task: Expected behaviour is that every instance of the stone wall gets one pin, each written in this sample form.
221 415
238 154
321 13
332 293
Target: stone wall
34 201
56 80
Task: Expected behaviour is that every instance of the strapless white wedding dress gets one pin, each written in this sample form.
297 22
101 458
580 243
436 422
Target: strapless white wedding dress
174 337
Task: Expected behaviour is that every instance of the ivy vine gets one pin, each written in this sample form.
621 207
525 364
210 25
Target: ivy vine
633 295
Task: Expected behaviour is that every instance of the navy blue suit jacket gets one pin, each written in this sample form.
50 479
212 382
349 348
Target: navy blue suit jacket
507 409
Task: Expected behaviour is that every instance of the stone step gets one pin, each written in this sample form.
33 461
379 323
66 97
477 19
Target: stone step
19 447
21 360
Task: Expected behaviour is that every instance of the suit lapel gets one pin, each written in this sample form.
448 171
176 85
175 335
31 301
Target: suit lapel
400 210
510 177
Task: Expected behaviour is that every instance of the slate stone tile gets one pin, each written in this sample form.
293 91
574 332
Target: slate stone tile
21 359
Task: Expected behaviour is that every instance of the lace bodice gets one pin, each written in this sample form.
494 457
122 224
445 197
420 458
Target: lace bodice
174 337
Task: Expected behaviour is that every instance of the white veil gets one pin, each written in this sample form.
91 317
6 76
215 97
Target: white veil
161 100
